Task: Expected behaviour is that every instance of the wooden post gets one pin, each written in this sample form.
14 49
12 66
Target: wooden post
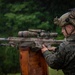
31 62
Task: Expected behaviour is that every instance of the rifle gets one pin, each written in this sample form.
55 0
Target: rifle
29 42
33 38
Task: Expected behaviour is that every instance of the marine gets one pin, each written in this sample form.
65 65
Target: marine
63 56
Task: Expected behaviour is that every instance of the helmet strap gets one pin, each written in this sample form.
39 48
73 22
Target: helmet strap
66 30
71 31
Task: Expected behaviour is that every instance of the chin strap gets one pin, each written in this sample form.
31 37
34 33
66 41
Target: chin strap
71 31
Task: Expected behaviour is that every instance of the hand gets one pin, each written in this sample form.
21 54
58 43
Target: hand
52 48
44 48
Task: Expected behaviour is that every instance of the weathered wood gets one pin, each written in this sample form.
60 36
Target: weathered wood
24 59
32 63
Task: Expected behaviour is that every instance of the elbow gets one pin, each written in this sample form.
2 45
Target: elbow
53 65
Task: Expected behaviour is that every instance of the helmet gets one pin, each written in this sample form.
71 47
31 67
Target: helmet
65 19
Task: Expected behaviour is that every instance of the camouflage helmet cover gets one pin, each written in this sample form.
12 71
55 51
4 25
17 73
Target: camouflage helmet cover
67 18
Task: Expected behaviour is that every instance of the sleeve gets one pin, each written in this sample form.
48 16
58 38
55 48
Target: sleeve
55 59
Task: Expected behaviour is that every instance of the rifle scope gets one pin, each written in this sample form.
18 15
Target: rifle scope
35 34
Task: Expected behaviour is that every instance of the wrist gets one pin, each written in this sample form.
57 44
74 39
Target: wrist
44 50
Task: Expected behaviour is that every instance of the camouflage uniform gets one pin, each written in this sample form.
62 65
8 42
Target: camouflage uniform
64 56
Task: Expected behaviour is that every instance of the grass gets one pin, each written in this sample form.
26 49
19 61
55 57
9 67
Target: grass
54 72
50 72
15 74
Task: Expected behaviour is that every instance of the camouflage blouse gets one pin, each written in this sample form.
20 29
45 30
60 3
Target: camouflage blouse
64 56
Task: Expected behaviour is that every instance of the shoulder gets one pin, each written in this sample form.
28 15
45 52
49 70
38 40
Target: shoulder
64 44
68 46
63 47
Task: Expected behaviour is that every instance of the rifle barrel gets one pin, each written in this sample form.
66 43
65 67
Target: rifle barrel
4 39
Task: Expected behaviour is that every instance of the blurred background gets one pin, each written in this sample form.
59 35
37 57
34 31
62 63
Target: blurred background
19 15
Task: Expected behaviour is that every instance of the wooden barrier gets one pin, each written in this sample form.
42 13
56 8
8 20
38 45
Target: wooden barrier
32 63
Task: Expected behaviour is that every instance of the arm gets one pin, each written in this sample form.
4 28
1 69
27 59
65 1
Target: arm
53 59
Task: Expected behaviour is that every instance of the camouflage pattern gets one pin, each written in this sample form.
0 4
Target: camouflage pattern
64 57
67 18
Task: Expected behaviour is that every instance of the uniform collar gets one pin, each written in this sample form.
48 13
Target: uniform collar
72 37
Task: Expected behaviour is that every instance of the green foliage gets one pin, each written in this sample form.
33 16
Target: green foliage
16 15
25 15
9 58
